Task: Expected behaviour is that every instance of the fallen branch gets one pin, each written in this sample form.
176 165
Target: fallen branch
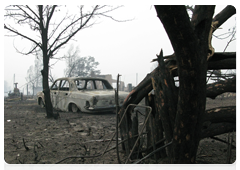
100 140
35 152
220 140
40 144
27 148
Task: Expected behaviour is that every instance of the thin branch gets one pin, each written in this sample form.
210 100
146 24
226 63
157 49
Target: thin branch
50 16
232 39
28 16
54 30
218 139
27 149
33 12
24 36
70 36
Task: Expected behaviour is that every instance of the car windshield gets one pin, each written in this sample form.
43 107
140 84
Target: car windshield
92 84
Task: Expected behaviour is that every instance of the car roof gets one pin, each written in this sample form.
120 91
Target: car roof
81 78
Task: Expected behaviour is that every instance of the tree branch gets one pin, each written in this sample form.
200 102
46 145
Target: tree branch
50 16
33 12
71 35
24 36
224 15
28 16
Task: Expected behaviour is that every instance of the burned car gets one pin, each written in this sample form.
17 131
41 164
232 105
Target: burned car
82 94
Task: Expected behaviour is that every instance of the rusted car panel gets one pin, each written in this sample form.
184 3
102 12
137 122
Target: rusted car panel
84 94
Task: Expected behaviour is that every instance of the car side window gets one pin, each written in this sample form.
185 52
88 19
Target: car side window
55 85
64 85
80 84
90 85
100 85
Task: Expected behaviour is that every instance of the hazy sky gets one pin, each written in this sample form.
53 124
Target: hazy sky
126 48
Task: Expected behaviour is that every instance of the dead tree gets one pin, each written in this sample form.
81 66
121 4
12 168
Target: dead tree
182 109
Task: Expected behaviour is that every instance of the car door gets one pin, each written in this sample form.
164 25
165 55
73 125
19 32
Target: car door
63 95
54 91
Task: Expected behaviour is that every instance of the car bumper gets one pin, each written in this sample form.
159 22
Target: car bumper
101 108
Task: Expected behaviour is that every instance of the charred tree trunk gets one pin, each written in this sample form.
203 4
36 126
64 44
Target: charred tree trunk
166 99
46 90
45 71
191 50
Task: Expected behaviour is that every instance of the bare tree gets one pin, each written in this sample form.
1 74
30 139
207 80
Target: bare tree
52 33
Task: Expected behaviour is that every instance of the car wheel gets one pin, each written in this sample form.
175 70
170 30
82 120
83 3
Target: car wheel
74 108
41 103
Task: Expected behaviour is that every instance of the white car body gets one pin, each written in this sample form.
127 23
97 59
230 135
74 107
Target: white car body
82 94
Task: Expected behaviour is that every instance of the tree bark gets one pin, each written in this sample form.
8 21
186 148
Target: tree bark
190 47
